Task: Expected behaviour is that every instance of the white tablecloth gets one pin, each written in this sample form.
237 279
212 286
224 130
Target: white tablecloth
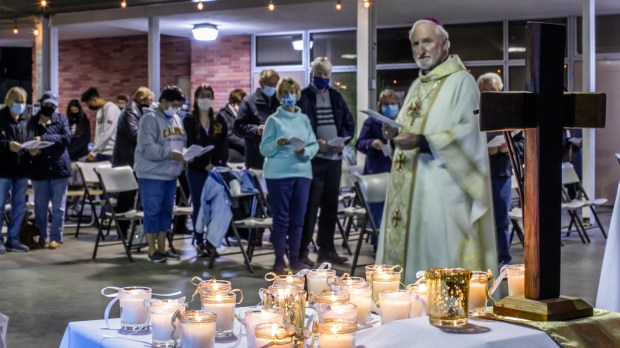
608 295
404 333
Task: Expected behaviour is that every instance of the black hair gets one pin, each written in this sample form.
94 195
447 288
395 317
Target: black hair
81 119
89 94
172 93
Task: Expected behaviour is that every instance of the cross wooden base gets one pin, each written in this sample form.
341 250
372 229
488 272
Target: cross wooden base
555 309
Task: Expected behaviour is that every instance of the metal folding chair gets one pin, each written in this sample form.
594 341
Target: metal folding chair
92 188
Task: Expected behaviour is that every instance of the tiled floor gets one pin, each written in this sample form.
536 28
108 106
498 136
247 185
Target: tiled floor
41 291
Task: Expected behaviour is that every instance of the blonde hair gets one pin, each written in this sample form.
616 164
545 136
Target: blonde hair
287 82
267 74
143 92
323 63
388 93
13 94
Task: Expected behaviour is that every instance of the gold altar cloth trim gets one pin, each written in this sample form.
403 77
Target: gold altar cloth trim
601 330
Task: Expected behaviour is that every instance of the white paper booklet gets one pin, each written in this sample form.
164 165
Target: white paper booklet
36 144
337 141
195 150
497 141
297 143
390 122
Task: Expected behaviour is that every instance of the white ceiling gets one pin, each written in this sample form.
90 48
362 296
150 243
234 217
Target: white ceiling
252 17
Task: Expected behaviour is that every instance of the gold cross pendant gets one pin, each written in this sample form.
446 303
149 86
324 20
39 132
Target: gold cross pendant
413 110
396 218
399 161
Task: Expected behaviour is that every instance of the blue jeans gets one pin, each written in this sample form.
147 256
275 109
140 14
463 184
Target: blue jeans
288 199
196 181
54 190
17 188
157 201
501 206
101 158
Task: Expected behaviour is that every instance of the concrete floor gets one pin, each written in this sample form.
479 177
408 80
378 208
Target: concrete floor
41 291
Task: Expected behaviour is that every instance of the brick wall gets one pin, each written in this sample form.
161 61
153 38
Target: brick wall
224 64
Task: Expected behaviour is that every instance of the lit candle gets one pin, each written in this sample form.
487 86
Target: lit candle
337 334
419 298
478 291
516 280
317 280
161 325
223 305
360 295
277 333
384 281
344 311
198 329
395 305
134 311
257 317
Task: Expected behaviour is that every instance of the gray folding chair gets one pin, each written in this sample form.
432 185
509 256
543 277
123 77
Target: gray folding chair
570 177
92 188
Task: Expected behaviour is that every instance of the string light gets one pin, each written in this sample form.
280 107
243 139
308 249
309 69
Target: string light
271 6
35 32
367 3
200 5
15 30
123 4
338 6
43 3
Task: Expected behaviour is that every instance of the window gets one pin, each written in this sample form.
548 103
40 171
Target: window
476 71
607 38
399 80
517 78
346 84
339 46
516 36
393 46
277 50
479 41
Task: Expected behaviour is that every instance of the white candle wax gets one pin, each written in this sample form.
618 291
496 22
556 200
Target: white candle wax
336 340
255 318
225 312
516 285
263 341
363 306
378 286
161 325
344 311
198 335
477 295
133 311
317 284
417 306
395 306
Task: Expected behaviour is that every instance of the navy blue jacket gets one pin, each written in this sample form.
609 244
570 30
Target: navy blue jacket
376 161
345 125
13 165
52 162
217 137
253 111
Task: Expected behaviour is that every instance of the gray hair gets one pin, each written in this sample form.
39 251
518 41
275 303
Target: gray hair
440 29
490 76
323 63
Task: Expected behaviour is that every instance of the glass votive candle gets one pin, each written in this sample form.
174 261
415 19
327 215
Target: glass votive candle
287 279
211 286
384 281
161 326
276 334
223 305
478 285
328 297
337 334
344 311
395 305
197 329
448 296
256 317
292 300
516 280
360 294
380 268
317 280
419 299
134 302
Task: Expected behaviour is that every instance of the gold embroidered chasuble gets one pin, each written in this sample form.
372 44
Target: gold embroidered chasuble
438 211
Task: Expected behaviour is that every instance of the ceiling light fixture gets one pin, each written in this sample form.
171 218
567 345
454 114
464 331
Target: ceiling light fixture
338 5
298 45
271 5
205 32
43 3
367 3
123 4
35 31
15 30
200 6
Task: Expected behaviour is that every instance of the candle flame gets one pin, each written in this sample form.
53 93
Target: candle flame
289 278
218 298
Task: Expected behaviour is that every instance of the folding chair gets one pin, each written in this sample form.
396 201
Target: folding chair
92 188
116 180
183 208
371 188
570 177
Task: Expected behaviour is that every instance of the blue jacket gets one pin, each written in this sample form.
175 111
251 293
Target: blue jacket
376 161
281 161
52 162
215 214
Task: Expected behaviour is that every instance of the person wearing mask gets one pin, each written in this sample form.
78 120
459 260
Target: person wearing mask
105 128
14 168
229 114
330 118
288 173
80 131
121 101
203 128
252 115
50 168
158 163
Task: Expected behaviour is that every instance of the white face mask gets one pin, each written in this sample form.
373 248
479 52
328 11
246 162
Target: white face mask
205 103
171 111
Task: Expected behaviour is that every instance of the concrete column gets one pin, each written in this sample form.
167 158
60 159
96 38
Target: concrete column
589 85
154 56
366 59
46 58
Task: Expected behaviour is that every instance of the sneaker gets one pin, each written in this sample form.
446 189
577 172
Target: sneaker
202 250
330 256
2 248
157 257
172 255
17 246
54 245
305 260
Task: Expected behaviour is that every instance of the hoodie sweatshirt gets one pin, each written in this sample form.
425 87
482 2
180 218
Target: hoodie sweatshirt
281 161
158 136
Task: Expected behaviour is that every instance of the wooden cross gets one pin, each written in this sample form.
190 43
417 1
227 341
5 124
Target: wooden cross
542 111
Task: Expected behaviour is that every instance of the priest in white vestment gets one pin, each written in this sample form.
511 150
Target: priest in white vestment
438 210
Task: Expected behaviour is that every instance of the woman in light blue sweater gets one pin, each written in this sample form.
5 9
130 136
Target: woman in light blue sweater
288 145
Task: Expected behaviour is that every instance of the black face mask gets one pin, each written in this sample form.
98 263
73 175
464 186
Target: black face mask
94 108
47 111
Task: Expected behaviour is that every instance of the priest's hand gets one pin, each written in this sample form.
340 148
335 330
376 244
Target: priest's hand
406 141
389 132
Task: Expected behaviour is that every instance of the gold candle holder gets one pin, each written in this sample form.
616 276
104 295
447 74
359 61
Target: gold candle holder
329 297
292 300
448 295
274 334
287 279
384 281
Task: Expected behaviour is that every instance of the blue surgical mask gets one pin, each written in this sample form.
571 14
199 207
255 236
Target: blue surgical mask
289 100
269 91
170 112
18 109
389 110
320 83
